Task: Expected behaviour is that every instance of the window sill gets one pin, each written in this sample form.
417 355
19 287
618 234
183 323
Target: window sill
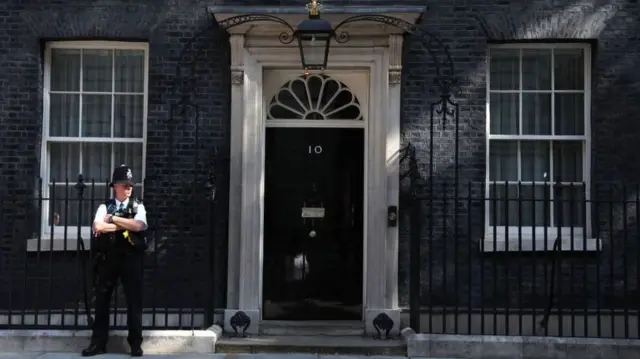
524 243
46 244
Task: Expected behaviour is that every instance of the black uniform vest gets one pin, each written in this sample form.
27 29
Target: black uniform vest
124 240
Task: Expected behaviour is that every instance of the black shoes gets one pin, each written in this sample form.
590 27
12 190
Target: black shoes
92 350
136 351
95 349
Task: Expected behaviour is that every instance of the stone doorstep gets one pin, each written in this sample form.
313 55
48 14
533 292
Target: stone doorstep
514 347
313 344
155 341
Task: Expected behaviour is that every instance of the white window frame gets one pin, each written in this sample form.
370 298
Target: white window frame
514 238
45 243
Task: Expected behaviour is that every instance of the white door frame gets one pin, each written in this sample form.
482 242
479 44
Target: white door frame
247 175
365 99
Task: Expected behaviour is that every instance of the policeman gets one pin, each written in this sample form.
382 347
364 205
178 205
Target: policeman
119 225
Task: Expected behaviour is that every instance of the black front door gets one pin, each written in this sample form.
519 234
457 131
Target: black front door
313 224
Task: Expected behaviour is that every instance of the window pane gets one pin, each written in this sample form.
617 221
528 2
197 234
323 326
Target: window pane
505 113
568 67
64 161
567 161
129 70
504 69
65 70
129 154
96 115
64 208
503 164
535 205
523 205
128 115
536 114
96 161
99 192
503 203
535 161
570 206
569 109
536 69
97 70
64 110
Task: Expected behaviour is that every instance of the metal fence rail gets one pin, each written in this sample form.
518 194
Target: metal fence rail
44 288
500 259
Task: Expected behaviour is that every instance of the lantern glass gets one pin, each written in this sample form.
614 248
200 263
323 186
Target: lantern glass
314 50
314 38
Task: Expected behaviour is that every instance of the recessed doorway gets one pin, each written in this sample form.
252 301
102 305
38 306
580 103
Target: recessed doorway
314 198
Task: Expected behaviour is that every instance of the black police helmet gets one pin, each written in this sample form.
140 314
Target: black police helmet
122 174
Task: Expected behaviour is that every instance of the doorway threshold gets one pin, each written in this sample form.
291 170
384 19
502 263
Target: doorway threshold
312 327
281 344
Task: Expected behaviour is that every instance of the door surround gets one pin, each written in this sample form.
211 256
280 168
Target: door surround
379 51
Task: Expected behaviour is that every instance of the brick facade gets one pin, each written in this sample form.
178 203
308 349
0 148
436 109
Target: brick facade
176 168
613 32
173 156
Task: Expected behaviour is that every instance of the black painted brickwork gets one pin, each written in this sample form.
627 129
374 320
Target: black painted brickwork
177 163
496 280
171 160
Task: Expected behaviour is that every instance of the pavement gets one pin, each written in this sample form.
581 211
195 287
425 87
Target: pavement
39 355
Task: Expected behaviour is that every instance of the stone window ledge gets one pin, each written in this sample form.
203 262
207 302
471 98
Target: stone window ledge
46 244
529 243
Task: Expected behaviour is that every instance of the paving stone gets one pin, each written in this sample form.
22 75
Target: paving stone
24 355
185 356
77 355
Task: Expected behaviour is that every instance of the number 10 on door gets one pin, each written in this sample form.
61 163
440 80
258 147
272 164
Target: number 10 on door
315 149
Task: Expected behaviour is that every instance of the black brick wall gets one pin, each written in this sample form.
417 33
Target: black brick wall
175 161
496 280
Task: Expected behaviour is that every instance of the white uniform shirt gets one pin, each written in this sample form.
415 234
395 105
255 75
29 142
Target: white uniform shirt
140 216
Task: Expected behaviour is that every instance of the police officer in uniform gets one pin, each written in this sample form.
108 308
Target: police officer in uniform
119 226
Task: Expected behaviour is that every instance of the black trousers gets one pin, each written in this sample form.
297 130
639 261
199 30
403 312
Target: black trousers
128 267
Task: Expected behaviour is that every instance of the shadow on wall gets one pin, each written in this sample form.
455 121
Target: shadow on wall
455 273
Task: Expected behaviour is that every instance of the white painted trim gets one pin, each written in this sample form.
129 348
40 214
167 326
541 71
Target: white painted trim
249 280
501 238
315 124
252 197
57 237
237 44
537 45
393 59
114 45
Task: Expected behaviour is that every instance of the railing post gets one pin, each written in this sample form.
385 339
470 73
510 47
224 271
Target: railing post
414 244
211 251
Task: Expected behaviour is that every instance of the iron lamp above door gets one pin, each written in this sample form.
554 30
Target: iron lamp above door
314 39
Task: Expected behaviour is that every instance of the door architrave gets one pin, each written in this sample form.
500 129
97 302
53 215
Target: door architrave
245 258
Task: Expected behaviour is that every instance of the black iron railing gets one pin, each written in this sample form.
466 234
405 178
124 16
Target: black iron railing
46 256
500 259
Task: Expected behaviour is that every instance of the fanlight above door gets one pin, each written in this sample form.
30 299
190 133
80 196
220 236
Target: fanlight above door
314 97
